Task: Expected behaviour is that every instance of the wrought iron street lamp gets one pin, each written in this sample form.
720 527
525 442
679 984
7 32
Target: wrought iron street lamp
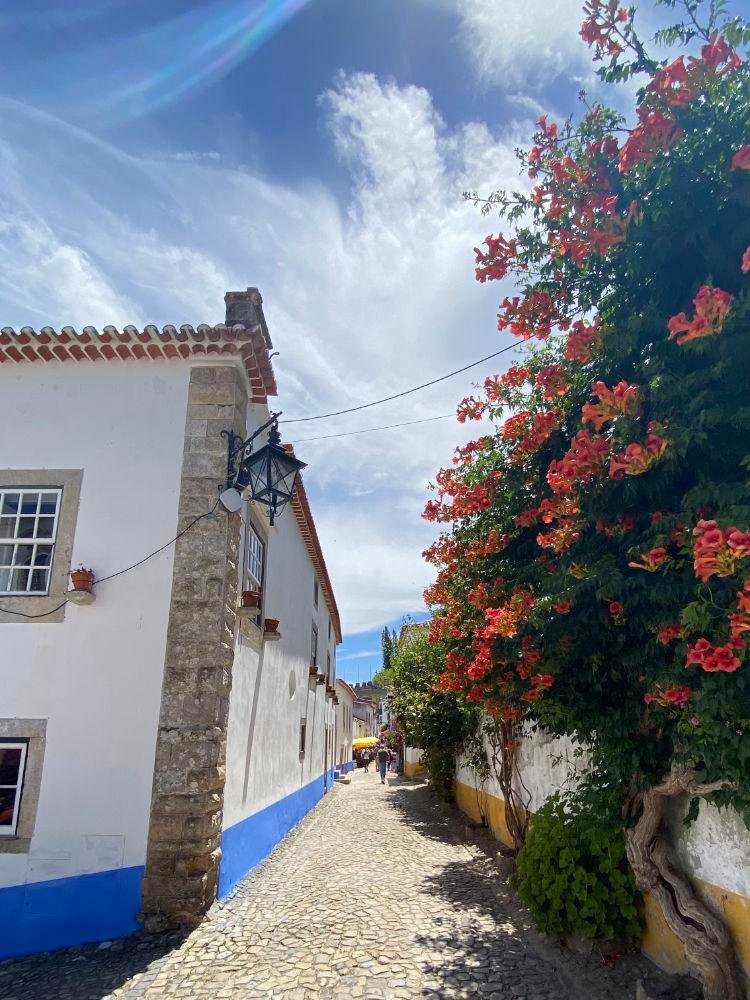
267 475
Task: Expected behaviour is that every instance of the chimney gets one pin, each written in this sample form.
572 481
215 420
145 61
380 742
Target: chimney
246 309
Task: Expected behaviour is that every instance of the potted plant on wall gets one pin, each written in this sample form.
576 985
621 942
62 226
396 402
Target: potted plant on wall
271 625
250 598
313 669
82 579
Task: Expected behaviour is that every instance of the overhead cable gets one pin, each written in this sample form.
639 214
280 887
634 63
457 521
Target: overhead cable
399 395
369 430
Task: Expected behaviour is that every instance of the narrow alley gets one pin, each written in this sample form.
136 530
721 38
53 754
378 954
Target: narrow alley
371 896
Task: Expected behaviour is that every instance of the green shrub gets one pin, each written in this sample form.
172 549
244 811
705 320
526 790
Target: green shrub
573 873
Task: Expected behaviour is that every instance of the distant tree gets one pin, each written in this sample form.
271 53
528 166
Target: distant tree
389 641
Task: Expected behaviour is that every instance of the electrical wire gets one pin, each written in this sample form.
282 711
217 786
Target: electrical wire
399 395
127 569
368 430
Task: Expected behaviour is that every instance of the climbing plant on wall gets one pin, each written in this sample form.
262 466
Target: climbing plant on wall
595 575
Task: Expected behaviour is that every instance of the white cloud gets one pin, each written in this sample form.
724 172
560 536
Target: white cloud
362 300
523 42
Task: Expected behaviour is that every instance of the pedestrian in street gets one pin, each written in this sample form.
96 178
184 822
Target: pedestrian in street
384 755
366 760
392 760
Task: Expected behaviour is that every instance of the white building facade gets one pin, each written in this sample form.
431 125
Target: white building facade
344 702
154 743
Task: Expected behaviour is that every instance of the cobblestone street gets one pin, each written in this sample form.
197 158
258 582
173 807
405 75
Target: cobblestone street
372 896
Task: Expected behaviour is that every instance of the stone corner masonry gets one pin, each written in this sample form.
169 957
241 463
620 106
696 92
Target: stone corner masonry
187 799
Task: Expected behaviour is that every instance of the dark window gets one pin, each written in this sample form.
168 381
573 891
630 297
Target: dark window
12 767
302 735
314 646
315 591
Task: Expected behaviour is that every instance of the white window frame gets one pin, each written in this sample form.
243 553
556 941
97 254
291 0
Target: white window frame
255 557
23 746
35 540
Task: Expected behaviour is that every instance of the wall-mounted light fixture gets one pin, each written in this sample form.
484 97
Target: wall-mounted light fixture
267 475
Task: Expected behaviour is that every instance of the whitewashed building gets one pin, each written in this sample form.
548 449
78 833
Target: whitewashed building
154 743
344 702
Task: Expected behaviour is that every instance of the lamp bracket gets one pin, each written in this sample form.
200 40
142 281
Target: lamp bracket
238 448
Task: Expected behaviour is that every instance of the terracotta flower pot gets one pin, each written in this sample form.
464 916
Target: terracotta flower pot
271 625
82 579
250 599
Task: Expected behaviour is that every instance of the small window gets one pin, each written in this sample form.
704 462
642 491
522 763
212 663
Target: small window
328 665
254 559
302 735
315 591
12 767
329 629
314 646
28 528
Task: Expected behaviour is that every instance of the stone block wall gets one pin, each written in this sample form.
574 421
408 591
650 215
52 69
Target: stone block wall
183 854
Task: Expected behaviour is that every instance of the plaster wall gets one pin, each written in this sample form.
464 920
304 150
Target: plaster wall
715 849
344 725
269 783
96 676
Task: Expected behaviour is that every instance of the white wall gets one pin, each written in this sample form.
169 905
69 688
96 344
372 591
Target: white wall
271 687
716 848
96 676
344 723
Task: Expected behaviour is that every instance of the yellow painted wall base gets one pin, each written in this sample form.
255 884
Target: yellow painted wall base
413 770
657 941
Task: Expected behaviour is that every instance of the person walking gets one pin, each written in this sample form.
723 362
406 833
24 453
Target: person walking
366 760
384 755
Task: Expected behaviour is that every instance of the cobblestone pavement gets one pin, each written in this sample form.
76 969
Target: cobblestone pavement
372 896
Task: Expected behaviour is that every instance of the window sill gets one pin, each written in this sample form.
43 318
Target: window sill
15 845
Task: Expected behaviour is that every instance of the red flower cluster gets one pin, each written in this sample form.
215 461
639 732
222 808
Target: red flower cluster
654 133
741 159
718 552
739 622
746 261
551 380
712 306
467 452
563 607
561 538
542 426
493 544
534 315
497 261
715 659
470 409
600 29
584 340
504 621
585 460
678 696
668 633
638 458
651 561
619 401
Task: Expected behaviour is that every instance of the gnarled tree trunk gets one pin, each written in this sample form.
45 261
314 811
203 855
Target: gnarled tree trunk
708 946
503 739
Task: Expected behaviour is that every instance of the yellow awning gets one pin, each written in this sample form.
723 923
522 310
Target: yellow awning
365 741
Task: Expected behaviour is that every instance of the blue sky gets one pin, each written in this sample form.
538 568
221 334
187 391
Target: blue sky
155 155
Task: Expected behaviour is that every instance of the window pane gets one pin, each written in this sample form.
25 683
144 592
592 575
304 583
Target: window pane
39 580
24 555
7 802
46 527
4 580
29 503
7 527
43 555
10 765
48 504
10 503
19 579
6 555
26 527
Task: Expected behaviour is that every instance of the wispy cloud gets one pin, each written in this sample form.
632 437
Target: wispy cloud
362 299
364 654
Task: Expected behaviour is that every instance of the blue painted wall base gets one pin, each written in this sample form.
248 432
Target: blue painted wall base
248 842
60 913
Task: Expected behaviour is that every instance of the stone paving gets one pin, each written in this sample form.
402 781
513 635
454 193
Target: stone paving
374 896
